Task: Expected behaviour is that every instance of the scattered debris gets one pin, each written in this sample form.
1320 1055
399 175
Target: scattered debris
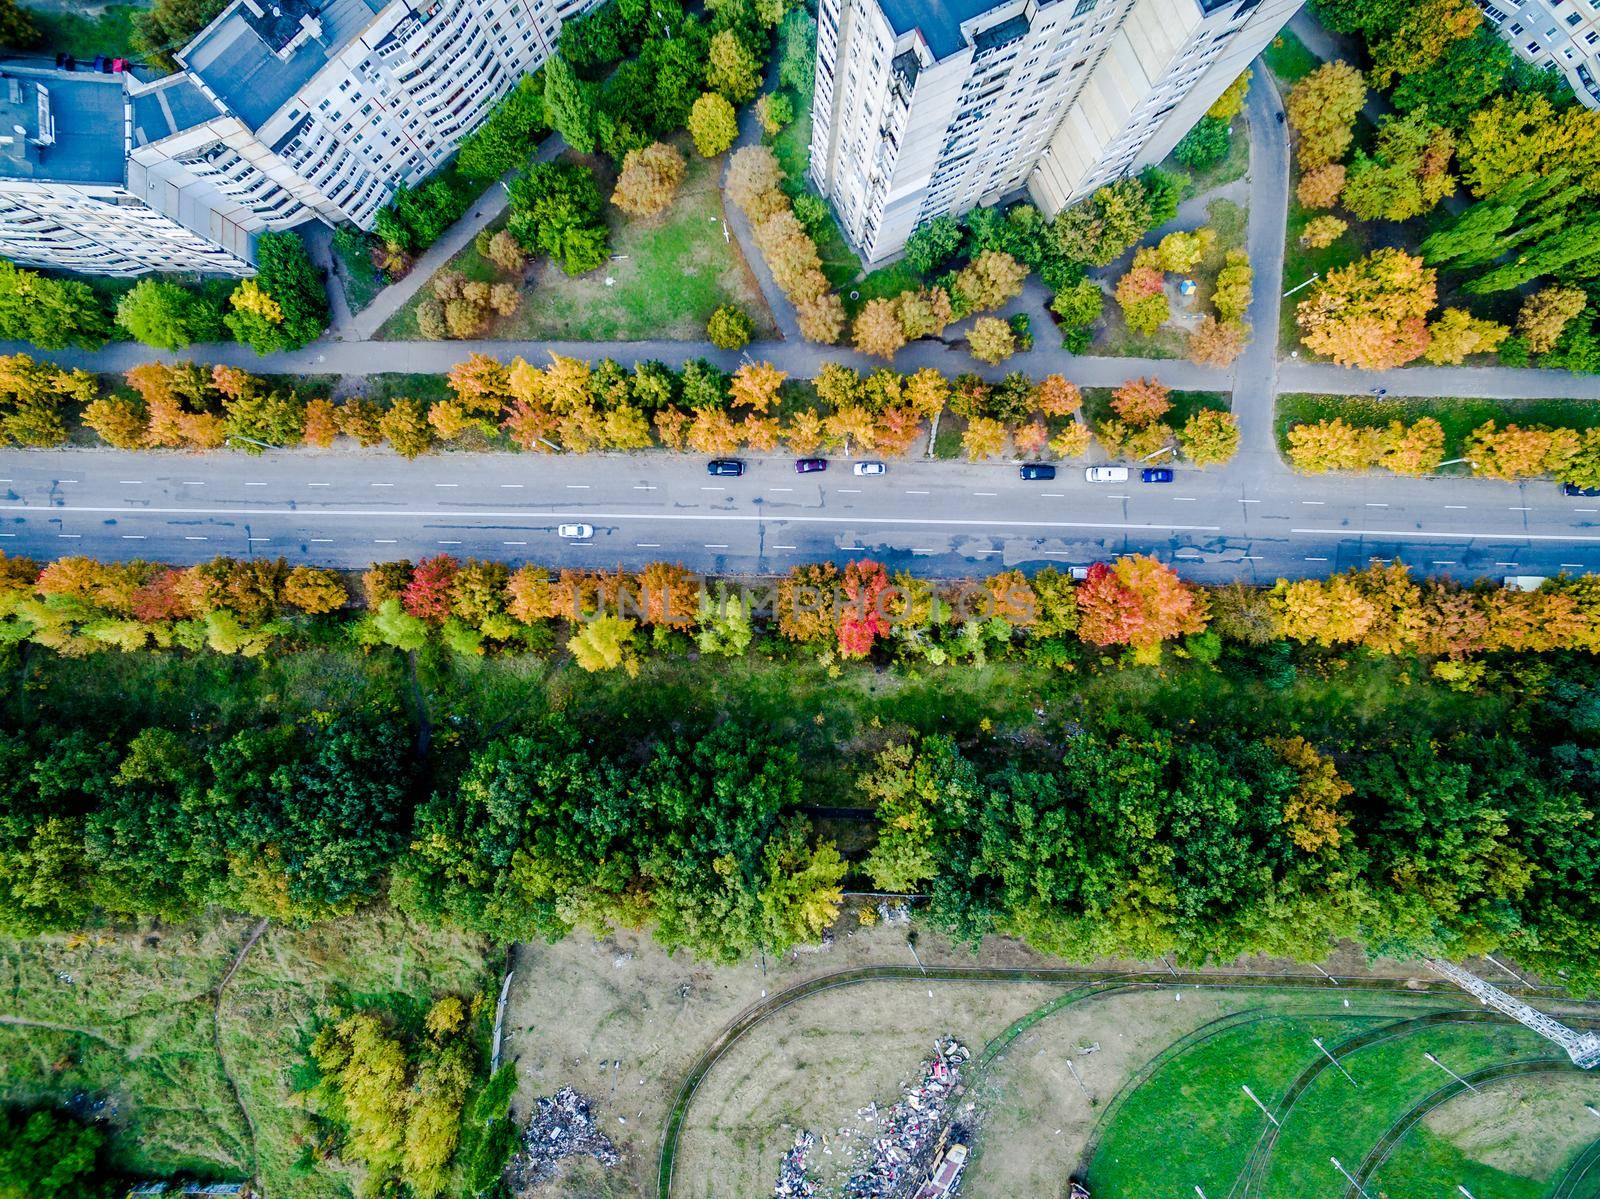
561 1125
795 1180
621 960
1086 1050
894 913
899 1156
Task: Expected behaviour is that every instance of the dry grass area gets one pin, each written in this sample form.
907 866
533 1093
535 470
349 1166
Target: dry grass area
1522 1126
817 1064
582 1004
120 1023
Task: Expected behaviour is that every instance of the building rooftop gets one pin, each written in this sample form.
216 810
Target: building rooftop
939 21
64 126
258 53
173 105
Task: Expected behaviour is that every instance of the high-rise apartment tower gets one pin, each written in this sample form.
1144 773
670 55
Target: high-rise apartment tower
926 107
285 111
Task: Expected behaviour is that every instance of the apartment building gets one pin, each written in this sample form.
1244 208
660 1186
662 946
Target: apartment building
284 111
1559 34
926 107
64 195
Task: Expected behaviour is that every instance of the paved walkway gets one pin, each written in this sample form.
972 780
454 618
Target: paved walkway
1255 387
365 324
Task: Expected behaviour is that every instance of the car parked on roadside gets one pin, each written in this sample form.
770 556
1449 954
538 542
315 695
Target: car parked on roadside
1574 489
1038 471
732 467
1156 474
871 468
580 532
809 466
1105 474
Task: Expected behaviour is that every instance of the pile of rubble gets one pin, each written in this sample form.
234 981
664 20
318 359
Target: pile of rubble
899 1154
794 1177
561 1126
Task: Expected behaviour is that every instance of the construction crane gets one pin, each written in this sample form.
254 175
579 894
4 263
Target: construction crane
1582 1047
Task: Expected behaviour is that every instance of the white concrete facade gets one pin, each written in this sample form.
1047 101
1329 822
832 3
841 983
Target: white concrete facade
1559 34
926 107
285 111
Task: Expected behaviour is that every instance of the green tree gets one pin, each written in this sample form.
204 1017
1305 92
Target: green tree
50 313
569 104
48 1154
1205 145
169 25
1407 173
17 29
729 328
165 315
556 209
731 69
921 791
288 284
713 125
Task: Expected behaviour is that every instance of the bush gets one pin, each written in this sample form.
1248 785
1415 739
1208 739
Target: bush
729 328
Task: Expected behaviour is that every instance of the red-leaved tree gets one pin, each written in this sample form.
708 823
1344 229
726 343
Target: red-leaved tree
862 621
427 595
1137 602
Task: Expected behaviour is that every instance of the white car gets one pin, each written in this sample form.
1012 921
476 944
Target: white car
1106 474
581 532
871 468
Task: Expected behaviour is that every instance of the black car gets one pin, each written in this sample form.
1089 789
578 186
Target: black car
809 466
1038 470
725 466
1574 489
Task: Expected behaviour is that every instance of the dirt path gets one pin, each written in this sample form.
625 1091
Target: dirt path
54 1027
250 940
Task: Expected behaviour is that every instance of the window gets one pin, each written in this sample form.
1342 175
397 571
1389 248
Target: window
1083 7
1573 18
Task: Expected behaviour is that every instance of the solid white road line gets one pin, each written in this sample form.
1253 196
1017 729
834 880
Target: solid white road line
1427 535
726 517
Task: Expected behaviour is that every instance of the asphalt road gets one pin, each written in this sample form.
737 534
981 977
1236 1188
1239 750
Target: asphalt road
943 518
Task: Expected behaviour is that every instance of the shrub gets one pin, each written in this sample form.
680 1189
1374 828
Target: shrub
729 328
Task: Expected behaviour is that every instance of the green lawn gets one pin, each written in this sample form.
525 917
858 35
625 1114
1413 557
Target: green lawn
1190 1121
1097 404
360 279
670 272
1186 1122
1537 1128
1289 59
884 283
1458 416
1233 166
1330 1120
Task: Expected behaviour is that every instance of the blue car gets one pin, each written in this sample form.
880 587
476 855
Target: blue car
1156 474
